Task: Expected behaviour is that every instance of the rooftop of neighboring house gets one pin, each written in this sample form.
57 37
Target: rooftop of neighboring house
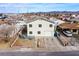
74 19
3 21
69 26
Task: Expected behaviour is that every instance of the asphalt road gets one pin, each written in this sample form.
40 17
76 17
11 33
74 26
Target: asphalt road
69 53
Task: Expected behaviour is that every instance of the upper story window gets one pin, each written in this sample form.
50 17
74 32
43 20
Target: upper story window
40 25
50 25
30 25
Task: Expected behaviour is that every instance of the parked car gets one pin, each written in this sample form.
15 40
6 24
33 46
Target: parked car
67 33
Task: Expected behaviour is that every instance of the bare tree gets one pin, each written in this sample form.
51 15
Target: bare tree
5 32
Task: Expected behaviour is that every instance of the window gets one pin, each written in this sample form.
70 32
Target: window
30 32
40 25
30 25
75 22
39 32
50 25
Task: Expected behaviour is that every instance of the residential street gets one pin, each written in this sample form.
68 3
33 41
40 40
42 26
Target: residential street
72 53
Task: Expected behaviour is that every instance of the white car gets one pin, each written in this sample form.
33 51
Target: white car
67 33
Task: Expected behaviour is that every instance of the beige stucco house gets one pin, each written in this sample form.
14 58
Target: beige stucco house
40 27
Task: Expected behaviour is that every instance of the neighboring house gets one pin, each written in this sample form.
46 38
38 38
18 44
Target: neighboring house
56 21
40 27
2 16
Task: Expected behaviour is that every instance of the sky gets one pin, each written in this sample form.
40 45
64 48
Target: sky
37 7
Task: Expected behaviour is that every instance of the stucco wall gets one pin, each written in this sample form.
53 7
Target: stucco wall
45 29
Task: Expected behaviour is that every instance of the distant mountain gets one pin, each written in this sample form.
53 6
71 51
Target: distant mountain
61 12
